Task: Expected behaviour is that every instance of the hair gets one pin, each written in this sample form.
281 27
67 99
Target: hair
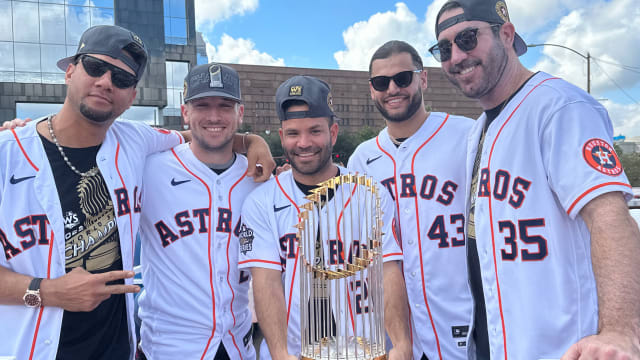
293 102
396 47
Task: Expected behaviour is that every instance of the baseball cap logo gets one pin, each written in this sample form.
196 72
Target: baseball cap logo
501 9
215 76
137 39
295 90
81 46
184 90
330 101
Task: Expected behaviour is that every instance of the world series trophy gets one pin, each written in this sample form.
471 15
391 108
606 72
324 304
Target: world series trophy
340 251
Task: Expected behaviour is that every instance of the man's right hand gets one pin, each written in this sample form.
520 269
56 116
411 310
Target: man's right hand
12 124
80 290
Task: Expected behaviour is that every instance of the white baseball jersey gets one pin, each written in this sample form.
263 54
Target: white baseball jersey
196 297
32 224
546 155
425 176
270 214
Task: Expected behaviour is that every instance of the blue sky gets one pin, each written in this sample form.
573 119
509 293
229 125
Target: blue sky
334 34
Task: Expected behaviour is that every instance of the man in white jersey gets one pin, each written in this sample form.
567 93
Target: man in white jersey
268 242
417 160
196 301
70 205
552 250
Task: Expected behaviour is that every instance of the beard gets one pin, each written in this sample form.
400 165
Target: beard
311 168
414 105
492 69
94 115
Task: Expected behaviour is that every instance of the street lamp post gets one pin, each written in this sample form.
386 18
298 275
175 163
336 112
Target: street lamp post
587 57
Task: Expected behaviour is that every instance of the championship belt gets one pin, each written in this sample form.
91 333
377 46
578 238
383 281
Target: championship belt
340 251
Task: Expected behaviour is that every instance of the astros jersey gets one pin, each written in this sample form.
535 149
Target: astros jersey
196 298
32 223
546 155
425 176
270 214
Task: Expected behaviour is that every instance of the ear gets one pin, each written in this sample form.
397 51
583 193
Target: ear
507 34
423 79
67 74
372 91
240 113
133 97
185 113
333 130
280 132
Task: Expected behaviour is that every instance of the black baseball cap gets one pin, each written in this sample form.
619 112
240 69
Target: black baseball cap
312 91
111 40
212 80
491 11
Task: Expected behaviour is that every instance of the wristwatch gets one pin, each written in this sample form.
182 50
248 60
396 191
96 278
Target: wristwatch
32 296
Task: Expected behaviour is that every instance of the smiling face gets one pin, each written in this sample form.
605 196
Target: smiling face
96 98
213 122
478 72
308 143
398 104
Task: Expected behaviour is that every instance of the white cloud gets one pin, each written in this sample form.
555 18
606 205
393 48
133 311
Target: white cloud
625 118
608 31
240 51
364 37
208 12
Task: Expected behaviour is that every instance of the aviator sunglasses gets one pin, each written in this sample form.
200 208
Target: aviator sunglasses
96 68
402 80
466 40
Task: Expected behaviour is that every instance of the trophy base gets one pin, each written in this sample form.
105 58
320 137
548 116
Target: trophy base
355 348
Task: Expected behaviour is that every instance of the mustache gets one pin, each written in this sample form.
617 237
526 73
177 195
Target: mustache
455 69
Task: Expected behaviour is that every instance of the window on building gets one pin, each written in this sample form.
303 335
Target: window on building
146 114
176 71
35 35
175 22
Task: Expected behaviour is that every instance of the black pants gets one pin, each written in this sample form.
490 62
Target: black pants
221 354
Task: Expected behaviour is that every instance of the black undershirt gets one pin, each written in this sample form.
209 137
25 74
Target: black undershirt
480 332
91 242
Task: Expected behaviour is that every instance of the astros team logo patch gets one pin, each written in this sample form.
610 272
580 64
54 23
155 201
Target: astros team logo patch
601 156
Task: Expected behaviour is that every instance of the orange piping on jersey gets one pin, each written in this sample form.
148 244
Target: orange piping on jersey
133 248
295 264
593 189
23 151
392 254
233 295
353 324
493 241
395 189
37 329
259 261
213 297
424 286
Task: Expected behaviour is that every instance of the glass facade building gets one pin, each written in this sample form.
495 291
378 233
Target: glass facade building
34 35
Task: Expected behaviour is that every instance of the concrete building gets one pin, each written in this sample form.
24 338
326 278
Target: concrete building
35 34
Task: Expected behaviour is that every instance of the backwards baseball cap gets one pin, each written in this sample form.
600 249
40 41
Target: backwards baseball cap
491 11
312 91
111 40
212 80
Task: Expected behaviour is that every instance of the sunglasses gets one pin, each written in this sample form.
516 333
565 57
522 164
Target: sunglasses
402 80
466 40
96 68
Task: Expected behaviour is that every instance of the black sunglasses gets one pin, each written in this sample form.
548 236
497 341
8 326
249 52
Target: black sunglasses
96 68
402 79
466 40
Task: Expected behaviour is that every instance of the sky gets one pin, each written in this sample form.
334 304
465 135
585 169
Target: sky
332 34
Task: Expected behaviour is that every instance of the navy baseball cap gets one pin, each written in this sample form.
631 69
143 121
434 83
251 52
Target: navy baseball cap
491 11
312 91
212 80
111 40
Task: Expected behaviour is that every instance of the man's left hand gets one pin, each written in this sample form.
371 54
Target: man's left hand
261 163
605 346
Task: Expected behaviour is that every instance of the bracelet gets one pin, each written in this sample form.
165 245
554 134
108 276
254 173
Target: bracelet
244 143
